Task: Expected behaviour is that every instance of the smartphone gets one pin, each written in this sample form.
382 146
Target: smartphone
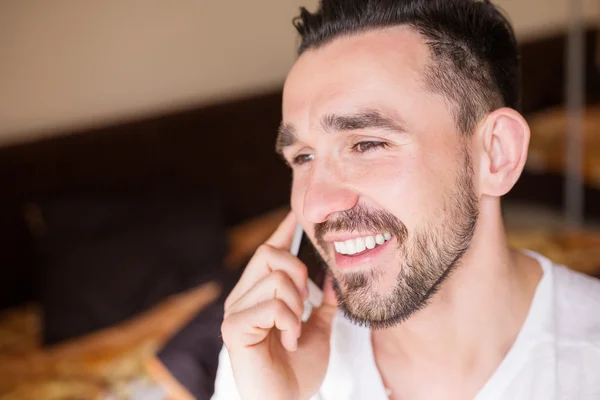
306 252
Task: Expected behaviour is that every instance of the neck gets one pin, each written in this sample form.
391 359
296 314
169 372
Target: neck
473 320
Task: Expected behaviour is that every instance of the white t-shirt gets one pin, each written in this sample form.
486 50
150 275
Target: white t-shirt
556 354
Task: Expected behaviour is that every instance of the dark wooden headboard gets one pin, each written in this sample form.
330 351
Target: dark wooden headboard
228 149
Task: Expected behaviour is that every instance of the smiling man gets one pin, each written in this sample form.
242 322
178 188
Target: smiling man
401 129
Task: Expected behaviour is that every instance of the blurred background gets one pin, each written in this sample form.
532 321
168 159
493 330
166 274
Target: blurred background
137 170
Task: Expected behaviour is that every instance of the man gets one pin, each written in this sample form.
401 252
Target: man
399 118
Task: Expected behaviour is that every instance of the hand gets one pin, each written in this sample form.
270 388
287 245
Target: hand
274 355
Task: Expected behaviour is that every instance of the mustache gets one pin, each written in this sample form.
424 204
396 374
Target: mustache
361 219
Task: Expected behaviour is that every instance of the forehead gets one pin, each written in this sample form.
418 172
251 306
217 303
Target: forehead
375 69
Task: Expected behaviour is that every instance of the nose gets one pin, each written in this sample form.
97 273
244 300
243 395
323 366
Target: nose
326 193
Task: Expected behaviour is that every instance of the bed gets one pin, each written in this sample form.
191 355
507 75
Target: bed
113 363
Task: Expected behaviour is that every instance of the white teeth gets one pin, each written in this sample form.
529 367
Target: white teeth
360 245
350 246
370 242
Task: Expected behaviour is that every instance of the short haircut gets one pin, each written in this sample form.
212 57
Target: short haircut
474 57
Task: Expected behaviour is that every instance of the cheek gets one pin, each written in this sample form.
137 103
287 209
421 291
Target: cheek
411 188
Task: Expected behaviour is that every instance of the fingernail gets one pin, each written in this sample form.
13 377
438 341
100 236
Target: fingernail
295 345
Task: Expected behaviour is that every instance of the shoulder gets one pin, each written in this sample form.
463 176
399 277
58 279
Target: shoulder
574 283
569 347
577 292
576 304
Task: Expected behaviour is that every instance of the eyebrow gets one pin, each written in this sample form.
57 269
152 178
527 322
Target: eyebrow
286 136
367 119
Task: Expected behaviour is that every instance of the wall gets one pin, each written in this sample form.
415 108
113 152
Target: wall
66 64
534 18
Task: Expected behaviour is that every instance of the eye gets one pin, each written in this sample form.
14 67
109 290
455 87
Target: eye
363 147
302 159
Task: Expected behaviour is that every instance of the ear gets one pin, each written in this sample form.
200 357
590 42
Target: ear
504 140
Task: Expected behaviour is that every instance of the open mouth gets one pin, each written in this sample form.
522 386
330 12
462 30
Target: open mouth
360 245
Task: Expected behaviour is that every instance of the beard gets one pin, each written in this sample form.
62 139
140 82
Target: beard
427 256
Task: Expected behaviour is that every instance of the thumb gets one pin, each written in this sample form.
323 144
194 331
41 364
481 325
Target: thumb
322 317
325 313
329 296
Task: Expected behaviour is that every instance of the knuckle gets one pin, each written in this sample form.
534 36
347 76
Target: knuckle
277 307
227 303
303 273
279 278
298 269
264 250
225 330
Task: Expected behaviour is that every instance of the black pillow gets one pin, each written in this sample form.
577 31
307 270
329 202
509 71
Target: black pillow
104 258
192 355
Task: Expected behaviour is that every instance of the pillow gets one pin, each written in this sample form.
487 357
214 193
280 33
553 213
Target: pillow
102 258
192 355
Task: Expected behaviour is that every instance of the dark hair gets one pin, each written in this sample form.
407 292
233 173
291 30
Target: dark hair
474 52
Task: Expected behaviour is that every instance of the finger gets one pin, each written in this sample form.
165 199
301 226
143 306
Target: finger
322 317
277 285
251 326
329 296
282 237
266 260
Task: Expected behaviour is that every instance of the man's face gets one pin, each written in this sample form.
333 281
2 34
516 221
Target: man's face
382 180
